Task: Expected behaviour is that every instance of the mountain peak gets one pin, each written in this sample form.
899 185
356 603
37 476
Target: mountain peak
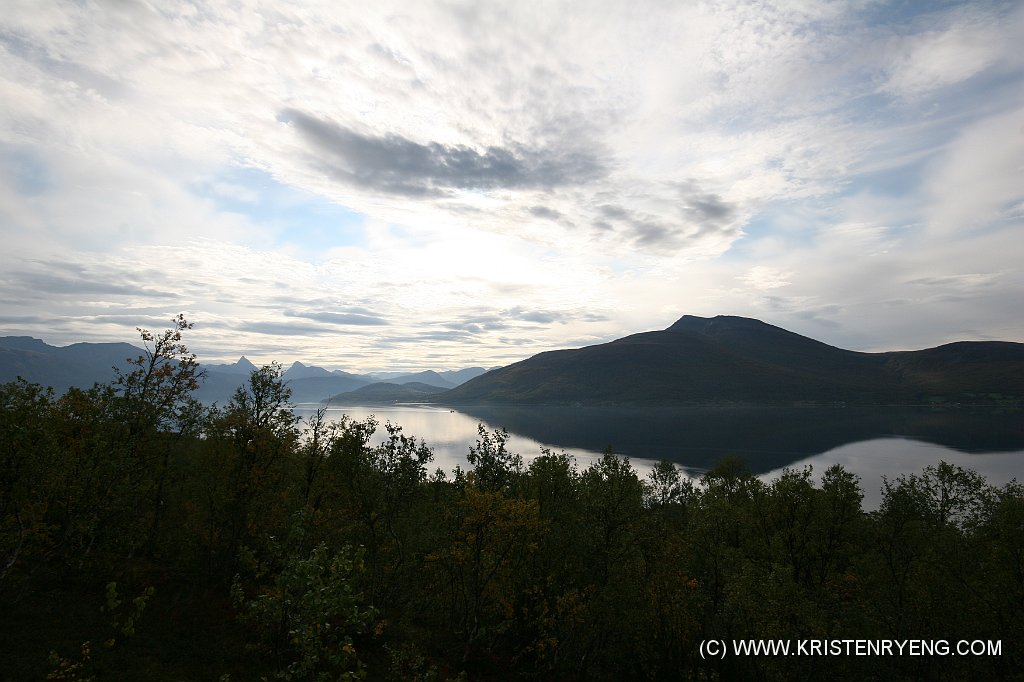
301 371
705 324
23 343
729 360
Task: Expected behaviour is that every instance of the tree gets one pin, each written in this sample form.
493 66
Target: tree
157 390
494 467
26 468
309 613
158 407
666 486
259 429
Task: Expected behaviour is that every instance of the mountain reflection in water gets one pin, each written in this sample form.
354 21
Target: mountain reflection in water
868 442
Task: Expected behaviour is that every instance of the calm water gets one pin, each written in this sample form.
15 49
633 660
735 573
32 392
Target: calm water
869 443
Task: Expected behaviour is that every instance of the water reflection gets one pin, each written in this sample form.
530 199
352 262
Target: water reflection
890 457
450 433
870 443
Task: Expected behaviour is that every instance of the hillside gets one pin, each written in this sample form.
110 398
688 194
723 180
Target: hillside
80 364
740 361
385 393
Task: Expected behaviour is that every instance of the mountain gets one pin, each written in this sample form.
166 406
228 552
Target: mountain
429 377
448 379
385 393
80 364
308 384
242 366
301 371
729 360
313 389
460 376
84 364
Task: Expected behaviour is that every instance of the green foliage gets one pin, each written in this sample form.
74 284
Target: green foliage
494 467
307 611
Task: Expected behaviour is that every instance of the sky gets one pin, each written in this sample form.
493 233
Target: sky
435 185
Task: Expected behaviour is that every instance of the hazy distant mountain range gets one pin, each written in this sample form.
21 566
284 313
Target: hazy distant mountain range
722 360
84 364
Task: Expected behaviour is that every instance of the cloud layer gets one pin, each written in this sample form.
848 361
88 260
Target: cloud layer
432 185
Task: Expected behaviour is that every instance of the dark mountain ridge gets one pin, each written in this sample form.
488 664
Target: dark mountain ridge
728 360
80 364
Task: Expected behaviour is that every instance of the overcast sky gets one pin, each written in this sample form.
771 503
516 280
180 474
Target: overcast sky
375 185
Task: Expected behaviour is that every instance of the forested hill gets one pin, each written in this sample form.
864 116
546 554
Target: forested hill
735 360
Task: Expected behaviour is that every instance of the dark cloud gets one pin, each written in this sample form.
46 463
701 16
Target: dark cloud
701 213
538 316
644 230
704 208
545 212
397 165
649 233
614 212
507 319
361 318
35 285
513 341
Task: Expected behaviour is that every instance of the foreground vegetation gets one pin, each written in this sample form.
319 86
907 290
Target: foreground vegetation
143 536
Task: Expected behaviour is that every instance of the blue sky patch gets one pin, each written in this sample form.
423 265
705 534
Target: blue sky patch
297 218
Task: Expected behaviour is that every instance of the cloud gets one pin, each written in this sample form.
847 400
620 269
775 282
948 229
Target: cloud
705 208
49 279
675 218
283 329
764 277
395 165
345 318
976 183
953 47
964 282
545 212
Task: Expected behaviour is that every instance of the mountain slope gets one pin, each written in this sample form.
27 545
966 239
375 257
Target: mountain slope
385 393
429 377
80 364
734 360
